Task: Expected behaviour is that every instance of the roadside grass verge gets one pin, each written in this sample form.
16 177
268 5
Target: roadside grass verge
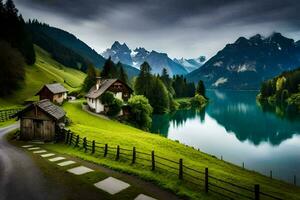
114 133
7 123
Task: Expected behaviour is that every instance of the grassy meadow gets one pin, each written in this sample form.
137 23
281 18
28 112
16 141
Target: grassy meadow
45 70
114 133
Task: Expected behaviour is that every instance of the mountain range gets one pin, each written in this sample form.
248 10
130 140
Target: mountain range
157 61
247 62
243 64
68 49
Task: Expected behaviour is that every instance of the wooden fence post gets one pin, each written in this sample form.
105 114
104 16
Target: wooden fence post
271 174
153 160
67 138
84 144
71 138
105 150
93 147
118 153
295 180
77 141
180 175
206 180
256 192
133 155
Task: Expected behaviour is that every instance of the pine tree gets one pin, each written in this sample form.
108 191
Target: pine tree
200 88
109 70
159 98
167 81
90 80
11 8
144 81
105 73
122 74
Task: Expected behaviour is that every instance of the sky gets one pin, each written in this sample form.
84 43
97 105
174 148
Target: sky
181 28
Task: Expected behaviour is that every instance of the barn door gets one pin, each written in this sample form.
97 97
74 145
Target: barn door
27 129
38 129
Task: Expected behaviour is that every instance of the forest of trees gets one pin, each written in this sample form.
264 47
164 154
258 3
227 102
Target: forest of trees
161 90
283 89
59 52
282 86
182 87
16 48
154 89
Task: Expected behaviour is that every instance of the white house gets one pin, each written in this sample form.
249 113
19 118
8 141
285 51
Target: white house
120 90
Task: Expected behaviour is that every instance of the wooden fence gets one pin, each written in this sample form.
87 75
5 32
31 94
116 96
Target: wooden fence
7 114
192 178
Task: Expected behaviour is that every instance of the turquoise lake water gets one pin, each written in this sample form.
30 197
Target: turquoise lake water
235 127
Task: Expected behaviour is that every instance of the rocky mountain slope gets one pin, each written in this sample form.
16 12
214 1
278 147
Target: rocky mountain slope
158 61
192 63
247 62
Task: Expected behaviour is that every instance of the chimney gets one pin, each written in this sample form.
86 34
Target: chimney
98 82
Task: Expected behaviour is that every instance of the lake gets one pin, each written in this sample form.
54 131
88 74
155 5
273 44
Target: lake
235 127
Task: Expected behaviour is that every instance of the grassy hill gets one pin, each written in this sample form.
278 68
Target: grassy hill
114 133
45 70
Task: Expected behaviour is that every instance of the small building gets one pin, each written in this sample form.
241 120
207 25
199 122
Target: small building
120 90
40 120
55 92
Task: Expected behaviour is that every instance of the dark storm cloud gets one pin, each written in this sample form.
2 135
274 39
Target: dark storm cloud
170 12
186 28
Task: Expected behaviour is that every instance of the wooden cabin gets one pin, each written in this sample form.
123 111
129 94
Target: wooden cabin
120 90
40 120
55 92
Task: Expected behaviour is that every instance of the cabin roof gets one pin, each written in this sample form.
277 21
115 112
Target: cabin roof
55 88
49 108
105 84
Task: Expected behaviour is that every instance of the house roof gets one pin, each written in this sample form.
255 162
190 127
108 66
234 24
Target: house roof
49 108
55 88
105 84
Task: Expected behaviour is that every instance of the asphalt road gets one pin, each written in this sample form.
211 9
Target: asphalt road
20 178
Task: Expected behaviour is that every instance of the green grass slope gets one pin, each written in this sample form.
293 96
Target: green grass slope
45 70
114 133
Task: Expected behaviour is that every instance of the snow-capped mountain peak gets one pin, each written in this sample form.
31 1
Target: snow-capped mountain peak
191 64
157 60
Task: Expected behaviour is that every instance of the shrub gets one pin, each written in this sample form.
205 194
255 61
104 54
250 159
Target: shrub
295 100
107 98
115 107
198 101
141 112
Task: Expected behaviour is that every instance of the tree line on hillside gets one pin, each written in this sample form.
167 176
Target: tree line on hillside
161 90
16 48
282 86
59 52
282 90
